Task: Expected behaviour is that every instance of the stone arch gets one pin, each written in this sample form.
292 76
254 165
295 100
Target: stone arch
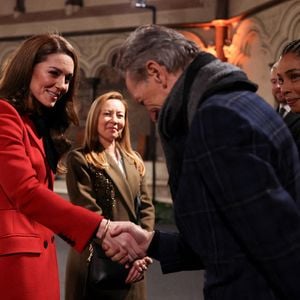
250 50
249 36
96 51
287 29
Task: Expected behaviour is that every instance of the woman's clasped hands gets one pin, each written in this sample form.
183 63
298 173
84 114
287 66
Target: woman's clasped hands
124 248
137 269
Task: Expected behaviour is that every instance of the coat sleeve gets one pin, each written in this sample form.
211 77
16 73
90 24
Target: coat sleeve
79 182
242 170
173 253
293 122
25 193
147 213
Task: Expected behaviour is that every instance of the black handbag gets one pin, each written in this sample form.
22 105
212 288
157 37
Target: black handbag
103 273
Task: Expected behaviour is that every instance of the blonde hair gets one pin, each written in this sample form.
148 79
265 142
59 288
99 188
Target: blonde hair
93 150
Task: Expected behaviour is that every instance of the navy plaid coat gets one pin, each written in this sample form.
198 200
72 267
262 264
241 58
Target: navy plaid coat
234 177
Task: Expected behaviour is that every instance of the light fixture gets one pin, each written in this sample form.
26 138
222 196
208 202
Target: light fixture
143 4
140 3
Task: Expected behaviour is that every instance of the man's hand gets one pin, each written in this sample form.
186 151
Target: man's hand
121 242
141 237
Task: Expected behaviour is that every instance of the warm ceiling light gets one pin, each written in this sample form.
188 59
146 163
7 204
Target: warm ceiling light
219 22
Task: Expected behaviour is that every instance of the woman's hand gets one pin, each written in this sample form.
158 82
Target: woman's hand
137 269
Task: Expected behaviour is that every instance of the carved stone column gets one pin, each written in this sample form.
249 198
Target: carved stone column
19 8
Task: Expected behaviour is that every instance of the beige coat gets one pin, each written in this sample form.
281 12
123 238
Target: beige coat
80 183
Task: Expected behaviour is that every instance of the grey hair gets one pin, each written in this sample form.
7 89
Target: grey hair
166 46
274 66
292 47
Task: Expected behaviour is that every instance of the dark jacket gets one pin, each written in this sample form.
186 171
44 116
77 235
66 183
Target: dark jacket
234 178
292 121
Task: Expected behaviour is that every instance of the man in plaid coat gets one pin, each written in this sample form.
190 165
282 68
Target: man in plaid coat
233 165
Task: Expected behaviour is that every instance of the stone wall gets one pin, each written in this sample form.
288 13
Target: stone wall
255 34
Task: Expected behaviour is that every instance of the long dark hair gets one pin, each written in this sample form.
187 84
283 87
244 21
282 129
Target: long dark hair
15 84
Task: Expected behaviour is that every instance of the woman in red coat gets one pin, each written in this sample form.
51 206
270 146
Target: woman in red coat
36 107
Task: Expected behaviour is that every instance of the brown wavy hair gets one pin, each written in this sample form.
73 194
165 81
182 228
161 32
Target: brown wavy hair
15 84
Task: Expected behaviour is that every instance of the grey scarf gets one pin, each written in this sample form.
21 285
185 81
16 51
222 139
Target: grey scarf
204 77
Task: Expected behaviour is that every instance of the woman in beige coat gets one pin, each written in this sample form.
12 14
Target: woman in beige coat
107 176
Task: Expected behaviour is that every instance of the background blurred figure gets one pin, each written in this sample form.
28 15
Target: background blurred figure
108 177
290 115
233 165
289 74
281 106
37 89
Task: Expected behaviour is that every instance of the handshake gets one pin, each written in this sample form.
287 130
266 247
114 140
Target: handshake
127 244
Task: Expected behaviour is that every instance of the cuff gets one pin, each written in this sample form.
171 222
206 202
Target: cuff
153 250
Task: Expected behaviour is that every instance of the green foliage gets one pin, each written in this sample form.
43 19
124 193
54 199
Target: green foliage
163 213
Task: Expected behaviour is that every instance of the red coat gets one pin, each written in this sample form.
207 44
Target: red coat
30 214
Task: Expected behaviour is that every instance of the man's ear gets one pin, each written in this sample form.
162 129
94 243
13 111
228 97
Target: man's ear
157 71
